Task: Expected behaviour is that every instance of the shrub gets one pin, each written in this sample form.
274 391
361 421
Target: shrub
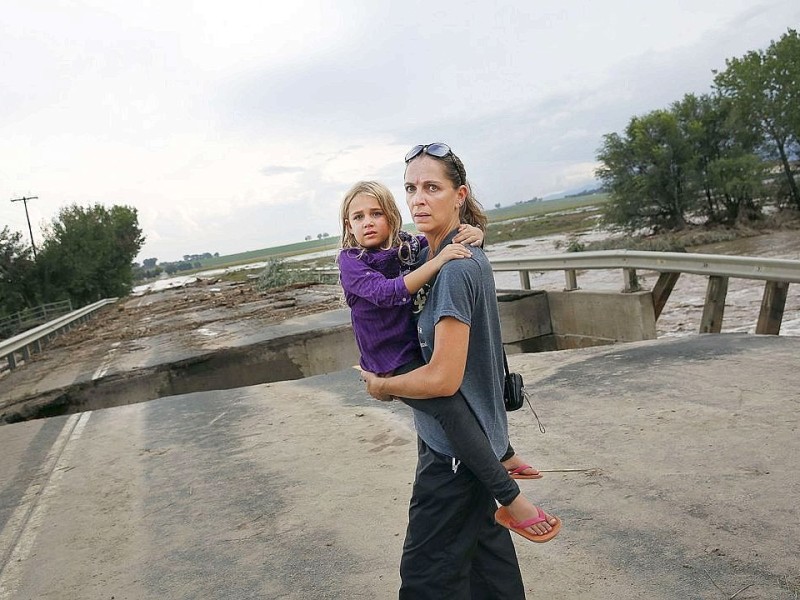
277 274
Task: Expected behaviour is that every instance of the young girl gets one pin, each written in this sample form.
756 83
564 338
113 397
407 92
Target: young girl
376 272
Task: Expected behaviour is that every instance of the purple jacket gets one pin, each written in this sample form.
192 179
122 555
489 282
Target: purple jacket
380 307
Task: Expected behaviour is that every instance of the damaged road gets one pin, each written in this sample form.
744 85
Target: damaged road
208 335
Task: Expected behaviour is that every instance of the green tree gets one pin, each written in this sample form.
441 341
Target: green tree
88 253
737 181
649 172
17 274
765 89
721 146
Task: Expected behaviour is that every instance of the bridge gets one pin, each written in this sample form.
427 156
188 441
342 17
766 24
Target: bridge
533 321
672 463
776 274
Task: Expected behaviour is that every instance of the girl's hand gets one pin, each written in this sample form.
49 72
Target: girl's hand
469 234
373 386
452 251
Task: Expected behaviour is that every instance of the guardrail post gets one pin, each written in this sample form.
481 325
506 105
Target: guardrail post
572 280
630 282
12 362
525 279
772 305
714 308
662 290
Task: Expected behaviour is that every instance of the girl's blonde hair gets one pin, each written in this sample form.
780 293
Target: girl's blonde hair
385 200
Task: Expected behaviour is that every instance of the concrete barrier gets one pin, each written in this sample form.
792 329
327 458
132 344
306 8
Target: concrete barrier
539 321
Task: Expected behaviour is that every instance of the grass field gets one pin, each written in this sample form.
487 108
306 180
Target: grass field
519 221
535 219
273 253
533 209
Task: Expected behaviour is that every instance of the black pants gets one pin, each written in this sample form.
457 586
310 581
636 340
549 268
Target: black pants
453 548
469 442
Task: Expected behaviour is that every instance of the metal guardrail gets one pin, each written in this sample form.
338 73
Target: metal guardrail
738 267
721 265
31 317
777 273
31 341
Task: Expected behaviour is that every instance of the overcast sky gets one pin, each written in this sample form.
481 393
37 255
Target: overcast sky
236 125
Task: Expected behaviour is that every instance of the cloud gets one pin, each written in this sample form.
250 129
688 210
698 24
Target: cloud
232 127
272 170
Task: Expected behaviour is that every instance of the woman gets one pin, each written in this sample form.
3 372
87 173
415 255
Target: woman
453 547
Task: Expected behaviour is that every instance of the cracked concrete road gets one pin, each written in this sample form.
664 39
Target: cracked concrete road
299 490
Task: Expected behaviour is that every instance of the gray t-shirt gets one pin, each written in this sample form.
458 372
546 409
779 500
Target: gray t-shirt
464 289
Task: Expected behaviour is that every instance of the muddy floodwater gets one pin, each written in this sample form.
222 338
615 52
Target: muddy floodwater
683 310
680 316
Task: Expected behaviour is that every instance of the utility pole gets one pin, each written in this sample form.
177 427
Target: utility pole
24 200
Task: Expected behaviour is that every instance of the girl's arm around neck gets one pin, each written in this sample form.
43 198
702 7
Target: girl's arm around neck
421 275
470 235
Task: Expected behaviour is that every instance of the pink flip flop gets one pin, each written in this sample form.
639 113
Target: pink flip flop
518 473
503 517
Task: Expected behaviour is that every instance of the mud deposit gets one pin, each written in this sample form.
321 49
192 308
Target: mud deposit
130 349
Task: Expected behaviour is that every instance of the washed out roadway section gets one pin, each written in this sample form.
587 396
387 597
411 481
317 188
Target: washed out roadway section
299 489
183 341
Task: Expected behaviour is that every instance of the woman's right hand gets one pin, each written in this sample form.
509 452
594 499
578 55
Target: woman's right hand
373 382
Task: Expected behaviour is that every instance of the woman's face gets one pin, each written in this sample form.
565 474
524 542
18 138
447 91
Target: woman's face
433 201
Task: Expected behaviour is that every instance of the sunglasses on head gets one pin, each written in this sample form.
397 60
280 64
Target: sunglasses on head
438 150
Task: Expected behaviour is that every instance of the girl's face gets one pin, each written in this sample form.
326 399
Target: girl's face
433 201
367 222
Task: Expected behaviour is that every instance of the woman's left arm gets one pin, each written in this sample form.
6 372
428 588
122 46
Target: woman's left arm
442 376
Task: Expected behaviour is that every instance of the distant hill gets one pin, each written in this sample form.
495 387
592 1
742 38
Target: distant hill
538 206
520 210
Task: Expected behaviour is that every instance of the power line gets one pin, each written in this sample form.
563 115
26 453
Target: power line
24 200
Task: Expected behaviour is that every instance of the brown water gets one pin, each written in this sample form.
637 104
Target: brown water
682 313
